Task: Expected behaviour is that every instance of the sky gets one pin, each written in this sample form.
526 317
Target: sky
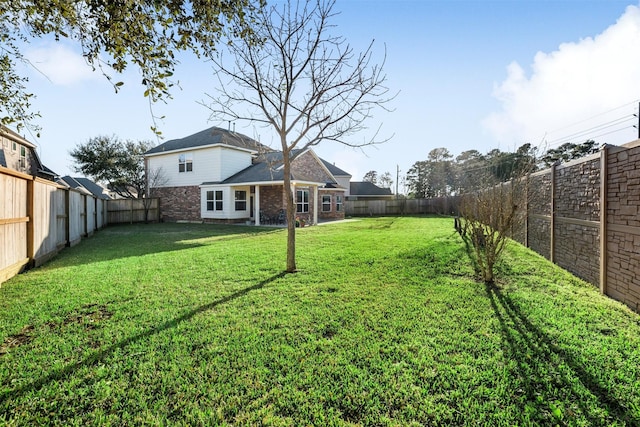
468 75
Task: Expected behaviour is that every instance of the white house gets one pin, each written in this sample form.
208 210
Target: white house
220 175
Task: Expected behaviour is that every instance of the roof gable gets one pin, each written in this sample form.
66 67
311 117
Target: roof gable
268 167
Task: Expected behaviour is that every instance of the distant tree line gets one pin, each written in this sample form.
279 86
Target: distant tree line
443 175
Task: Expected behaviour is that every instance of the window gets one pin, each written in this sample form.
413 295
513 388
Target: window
23 157
302 201
185 162
338 203
326 203
14 146
214 200
241 200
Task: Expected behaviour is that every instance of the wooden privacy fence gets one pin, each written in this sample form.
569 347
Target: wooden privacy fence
133 210
402 206
38 218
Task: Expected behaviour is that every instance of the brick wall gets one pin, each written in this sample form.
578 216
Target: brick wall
333 213
179 203
307 166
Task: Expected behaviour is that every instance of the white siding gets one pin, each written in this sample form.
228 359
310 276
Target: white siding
343 182
228 206
232 162
211 164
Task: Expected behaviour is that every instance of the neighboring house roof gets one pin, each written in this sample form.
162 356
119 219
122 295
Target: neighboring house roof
40 169
368 189
86 185
208 137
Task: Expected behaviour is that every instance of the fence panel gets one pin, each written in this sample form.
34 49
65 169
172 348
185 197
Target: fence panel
61 217
45 222
76 217
13 225
38 218
123 211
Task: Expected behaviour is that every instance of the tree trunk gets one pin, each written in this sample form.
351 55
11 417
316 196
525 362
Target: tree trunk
291 214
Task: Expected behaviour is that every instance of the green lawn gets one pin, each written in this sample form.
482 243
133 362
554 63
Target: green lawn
176 324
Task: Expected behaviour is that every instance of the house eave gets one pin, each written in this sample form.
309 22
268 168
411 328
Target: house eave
260 183
201 147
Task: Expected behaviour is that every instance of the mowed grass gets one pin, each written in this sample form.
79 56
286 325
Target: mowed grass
384 324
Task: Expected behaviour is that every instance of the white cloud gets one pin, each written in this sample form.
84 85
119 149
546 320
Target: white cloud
60 64
576 83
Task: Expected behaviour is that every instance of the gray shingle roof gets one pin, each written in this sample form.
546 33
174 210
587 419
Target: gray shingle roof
266 169
87 184
365 188
211 136
335 171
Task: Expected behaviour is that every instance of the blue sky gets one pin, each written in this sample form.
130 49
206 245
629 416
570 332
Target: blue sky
470 75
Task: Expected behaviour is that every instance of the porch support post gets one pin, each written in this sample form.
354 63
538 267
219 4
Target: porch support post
256 205
315 205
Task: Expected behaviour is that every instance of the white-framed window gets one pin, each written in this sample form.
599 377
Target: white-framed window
302 201
14 146
214 200
338 203
185 162
23 157
326 203
241 200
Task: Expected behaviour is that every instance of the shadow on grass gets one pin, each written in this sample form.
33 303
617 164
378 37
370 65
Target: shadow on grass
539 363
100 356
539 366
126 241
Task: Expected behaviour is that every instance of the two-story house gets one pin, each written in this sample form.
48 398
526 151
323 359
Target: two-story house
18 154
220 175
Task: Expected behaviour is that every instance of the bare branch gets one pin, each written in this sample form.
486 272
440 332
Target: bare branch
306 84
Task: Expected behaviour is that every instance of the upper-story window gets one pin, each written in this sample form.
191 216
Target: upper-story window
22 162
185 162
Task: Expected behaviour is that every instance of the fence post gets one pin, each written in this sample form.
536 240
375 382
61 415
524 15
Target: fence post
604 159
67 220
552 238
526 210
30 224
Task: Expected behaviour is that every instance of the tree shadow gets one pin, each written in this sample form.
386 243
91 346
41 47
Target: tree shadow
544 367
101 355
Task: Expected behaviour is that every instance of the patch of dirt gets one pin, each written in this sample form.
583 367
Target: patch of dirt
89 315
16 340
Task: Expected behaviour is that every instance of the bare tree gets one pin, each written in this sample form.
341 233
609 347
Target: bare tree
490 217
301 81
154 178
